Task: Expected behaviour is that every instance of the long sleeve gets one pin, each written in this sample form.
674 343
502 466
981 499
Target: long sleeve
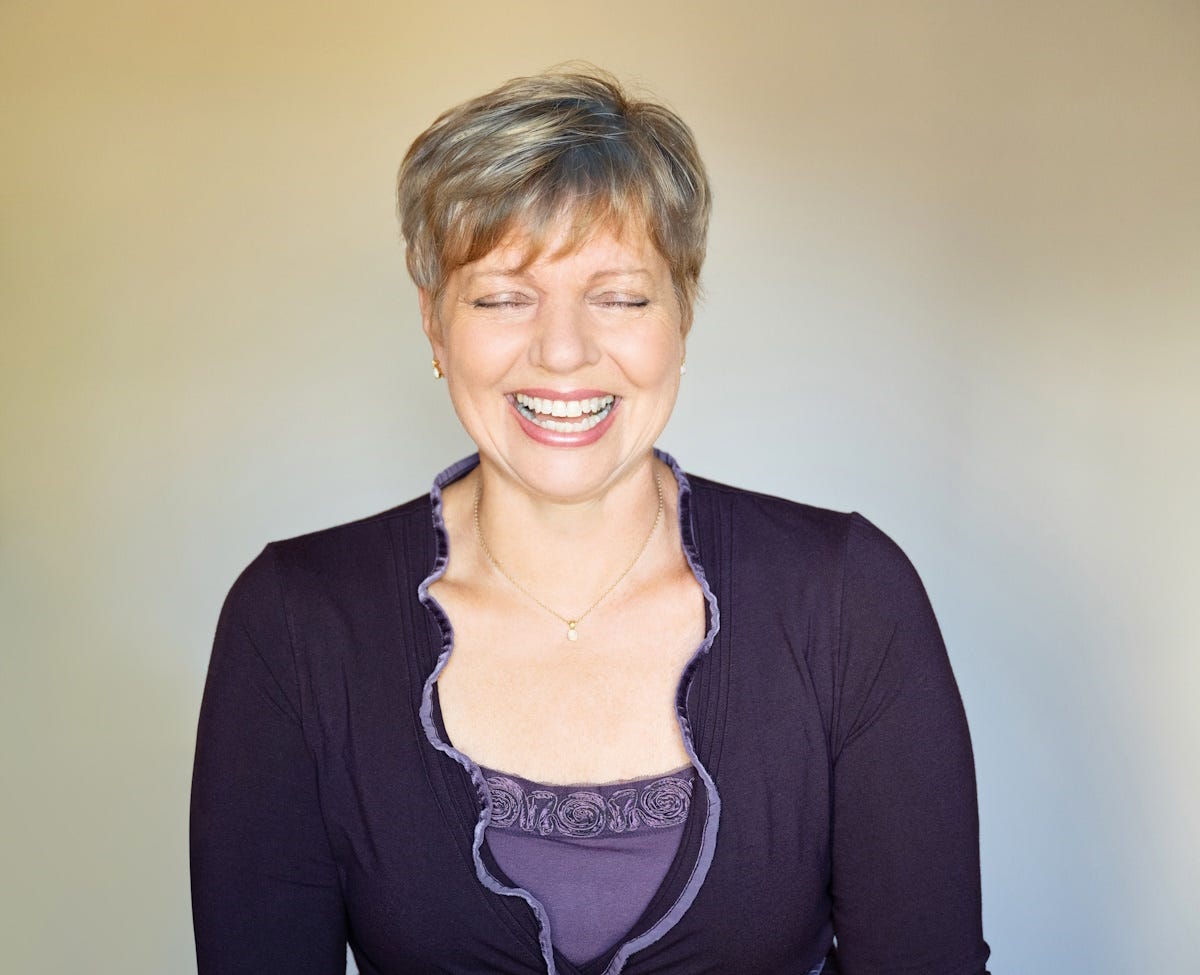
906 886
265 890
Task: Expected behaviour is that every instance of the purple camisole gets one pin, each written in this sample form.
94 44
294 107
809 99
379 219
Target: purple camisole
594 855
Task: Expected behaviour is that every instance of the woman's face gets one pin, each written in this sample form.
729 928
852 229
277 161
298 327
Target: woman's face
565 372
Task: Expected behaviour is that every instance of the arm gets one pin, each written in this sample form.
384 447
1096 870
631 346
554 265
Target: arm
905 823
265 891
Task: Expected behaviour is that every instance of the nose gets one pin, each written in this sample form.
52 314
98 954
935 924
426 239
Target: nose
564 340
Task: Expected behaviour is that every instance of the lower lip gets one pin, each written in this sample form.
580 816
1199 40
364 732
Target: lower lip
553 438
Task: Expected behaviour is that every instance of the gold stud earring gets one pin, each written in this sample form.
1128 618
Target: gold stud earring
683 368
437 370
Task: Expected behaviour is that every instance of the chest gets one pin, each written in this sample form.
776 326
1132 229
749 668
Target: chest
404 832
517 695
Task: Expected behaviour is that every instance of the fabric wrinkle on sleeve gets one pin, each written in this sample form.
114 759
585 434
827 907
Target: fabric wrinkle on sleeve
905 884
266 895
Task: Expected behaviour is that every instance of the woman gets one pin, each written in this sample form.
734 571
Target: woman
575 712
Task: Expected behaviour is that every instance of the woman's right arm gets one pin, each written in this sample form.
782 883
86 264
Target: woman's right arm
265 890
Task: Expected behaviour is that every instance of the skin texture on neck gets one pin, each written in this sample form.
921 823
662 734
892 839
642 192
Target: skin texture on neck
565 552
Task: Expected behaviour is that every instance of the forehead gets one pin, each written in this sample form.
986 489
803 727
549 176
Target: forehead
562 247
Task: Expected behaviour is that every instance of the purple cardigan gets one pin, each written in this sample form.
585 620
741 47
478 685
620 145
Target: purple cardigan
835 789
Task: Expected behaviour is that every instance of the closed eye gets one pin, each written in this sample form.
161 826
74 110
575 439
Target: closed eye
621 301
501 301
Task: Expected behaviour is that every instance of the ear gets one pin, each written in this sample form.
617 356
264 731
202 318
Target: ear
429 321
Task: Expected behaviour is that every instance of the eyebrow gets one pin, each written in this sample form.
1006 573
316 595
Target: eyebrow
621 272
499 272
517 271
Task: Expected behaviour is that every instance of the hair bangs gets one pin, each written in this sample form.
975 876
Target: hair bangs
566 204
550 161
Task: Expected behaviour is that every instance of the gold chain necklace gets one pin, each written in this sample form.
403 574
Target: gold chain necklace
572 634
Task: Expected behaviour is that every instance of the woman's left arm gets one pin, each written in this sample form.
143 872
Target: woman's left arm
906 885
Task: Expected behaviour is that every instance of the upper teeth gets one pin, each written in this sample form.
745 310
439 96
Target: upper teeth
564 407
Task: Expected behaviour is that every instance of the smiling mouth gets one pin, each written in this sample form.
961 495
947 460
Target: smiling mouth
564 416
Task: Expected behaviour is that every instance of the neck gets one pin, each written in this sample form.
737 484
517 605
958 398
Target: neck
566 552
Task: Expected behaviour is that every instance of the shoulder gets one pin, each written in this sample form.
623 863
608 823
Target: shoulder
351 557
776 531
766 523
338 547
352 531
765 508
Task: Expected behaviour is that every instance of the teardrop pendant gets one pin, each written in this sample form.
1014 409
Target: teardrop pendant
571 634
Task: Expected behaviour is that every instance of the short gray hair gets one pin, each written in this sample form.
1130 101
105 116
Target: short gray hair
519 157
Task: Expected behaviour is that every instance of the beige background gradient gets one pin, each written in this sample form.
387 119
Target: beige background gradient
954 283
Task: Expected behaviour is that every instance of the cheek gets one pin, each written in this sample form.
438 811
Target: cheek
480 356
652 358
